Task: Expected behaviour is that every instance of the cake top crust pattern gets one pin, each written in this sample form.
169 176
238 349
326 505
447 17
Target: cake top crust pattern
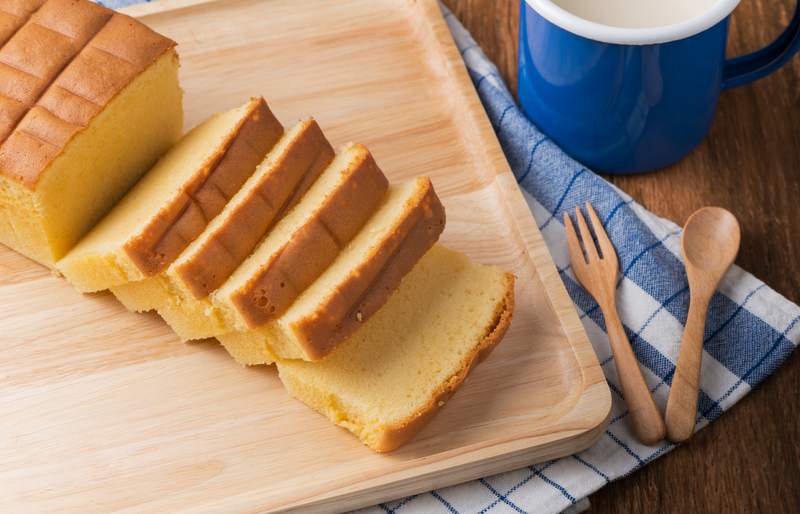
61 62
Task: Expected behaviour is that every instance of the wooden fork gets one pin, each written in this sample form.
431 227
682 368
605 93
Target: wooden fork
599 278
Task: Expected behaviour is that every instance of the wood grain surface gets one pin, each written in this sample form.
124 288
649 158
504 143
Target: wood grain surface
106 410
748 460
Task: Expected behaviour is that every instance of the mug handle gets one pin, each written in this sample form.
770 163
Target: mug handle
751 67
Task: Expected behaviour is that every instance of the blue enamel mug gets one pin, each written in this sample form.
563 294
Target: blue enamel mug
628 86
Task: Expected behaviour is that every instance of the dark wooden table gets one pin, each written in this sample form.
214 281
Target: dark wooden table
748 460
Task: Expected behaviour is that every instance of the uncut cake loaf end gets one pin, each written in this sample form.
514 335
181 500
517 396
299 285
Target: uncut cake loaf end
89 100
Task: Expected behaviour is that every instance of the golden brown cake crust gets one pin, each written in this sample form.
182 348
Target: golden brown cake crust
184 219
61 62
304 159
20 9
351 305
312 247
397 435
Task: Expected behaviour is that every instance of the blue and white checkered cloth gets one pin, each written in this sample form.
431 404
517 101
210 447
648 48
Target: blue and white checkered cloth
750 328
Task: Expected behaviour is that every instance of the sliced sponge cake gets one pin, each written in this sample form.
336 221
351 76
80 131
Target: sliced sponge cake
280 181
295 252
174 202
283 183
393 376
89 100
355 286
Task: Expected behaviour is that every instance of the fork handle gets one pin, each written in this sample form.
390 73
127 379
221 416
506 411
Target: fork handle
647 421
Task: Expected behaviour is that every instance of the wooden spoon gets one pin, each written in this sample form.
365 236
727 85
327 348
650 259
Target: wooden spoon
710 243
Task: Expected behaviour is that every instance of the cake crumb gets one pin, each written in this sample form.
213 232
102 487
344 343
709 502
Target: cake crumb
441 403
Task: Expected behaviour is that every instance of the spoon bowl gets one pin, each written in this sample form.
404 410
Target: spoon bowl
710 239
710 244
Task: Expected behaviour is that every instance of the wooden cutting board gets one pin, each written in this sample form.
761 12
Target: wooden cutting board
103 410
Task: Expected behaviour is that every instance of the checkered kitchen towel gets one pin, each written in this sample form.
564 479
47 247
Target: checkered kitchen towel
750 328
749 332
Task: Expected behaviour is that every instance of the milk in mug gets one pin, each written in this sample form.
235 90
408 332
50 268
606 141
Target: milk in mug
636 14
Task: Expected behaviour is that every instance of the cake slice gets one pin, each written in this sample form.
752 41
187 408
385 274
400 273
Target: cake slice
355 286
174 201
280 181
89 100
395 374
295 252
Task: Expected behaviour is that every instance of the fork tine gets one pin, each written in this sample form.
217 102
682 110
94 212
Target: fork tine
588 242
602 237
574 246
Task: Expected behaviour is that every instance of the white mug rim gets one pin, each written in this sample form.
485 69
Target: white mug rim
626 36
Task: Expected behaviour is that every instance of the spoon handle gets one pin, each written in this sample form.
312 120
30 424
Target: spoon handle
682 404
647 421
